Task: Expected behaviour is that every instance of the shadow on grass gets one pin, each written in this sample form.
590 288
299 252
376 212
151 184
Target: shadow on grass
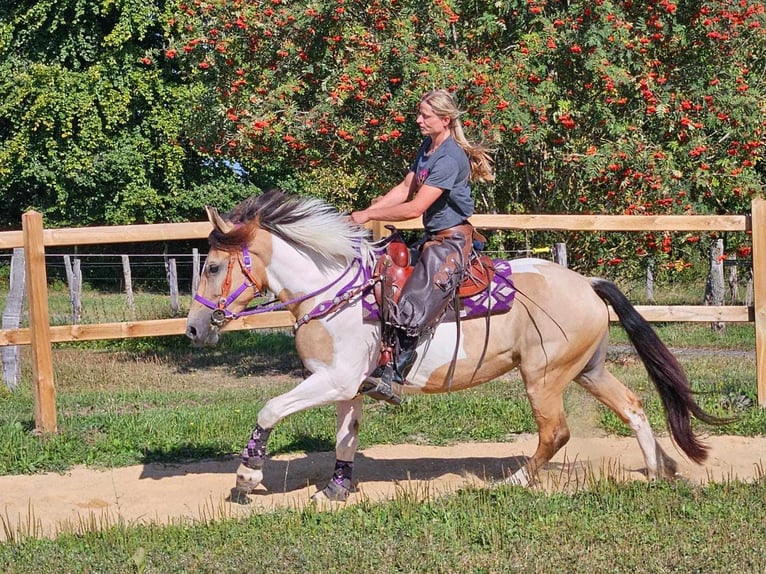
182 454
243 363
240 353
247 353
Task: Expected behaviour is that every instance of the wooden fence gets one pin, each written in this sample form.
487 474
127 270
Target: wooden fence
40 335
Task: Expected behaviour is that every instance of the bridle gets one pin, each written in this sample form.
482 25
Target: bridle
221 312
360 281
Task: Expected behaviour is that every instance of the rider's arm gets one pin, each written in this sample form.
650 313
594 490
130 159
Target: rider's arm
397 194
386 209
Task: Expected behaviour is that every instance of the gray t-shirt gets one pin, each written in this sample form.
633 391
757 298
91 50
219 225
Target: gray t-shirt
448 169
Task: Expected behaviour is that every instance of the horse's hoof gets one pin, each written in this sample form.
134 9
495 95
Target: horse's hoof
237 496
248 478
333 492
518 478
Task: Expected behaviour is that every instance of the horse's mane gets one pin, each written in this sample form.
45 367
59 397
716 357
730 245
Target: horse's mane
306 222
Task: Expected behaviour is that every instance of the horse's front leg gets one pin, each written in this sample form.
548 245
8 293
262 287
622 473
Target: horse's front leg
250 471
349 414
316 390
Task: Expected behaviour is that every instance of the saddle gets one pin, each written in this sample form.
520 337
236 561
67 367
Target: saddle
395 266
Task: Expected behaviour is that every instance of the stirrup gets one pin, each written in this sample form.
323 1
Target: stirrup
381 388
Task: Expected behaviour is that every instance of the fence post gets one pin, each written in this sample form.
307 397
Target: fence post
650 282
758 224
195 271
714 286
560 254
733 279
74 282
14 309
39 322
172 272
128 278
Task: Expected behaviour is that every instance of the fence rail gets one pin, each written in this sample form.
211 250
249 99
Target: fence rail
40 335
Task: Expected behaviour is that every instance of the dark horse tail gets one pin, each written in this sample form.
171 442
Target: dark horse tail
664 370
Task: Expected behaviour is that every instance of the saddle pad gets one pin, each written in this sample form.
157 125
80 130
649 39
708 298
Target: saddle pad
500 293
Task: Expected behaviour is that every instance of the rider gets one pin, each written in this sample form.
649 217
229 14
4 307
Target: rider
436 187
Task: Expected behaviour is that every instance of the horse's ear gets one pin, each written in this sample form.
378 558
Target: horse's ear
218 222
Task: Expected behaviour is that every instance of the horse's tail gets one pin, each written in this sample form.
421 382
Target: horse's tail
664 370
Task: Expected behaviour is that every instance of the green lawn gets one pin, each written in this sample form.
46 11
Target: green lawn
137 401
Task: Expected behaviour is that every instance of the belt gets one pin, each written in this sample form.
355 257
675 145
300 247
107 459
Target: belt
461 227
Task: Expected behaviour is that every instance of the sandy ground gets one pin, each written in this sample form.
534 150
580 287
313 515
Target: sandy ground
83 499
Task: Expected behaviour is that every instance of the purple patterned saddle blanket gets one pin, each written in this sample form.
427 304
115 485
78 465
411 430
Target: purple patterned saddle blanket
496 300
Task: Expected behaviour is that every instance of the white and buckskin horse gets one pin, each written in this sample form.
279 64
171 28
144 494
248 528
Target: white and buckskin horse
317 264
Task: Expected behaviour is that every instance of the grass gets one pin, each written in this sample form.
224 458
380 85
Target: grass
149 401
608 528
139 401
697 335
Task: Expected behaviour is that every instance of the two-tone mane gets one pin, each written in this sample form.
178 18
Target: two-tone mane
305 222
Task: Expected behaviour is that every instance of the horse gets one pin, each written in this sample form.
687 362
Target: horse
318 264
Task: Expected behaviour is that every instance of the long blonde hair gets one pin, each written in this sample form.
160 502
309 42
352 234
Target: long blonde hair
444 105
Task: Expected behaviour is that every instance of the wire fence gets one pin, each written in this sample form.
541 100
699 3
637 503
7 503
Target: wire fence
104 294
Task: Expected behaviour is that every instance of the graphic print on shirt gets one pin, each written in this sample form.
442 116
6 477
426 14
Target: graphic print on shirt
420 177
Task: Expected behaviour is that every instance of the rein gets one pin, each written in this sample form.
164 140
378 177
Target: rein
222 313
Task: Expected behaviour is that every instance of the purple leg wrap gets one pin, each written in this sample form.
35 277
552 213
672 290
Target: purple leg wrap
254 453
342 472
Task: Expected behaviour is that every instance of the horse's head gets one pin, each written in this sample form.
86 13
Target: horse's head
306 244
230 280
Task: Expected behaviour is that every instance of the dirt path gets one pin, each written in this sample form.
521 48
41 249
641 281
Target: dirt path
84 499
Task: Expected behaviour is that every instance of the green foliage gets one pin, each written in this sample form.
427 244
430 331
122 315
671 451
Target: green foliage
614 107
92 128
121 112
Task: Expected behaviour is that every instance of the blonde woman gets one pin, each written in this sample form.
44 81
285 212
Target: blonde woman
436 187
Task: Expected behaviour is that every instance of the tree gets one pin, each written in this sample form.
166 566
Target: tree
640 106
118 112
91 126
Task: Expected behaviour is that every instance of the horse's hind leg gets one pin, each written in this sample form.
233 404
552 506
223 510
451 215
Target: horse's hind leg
546 395
545 390
626 405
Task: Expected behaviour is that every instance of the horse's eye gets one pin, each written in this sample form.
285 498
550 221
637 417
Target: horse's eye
213 268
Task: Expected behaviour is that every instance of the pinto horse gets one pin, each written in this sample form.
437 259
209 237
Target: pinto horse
318 265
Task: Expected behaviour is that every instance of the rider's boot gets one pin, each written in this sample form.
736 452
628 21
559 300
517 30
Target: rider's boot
385 382
404 357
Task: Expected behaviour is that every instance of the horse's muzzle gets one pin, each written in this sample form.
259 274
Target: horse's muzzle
202 338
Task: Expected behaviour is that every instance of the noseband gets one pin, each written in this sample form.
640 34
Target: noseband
221 312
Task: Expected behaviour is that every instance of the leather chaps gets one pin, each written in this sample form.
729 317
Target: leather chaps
434 280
